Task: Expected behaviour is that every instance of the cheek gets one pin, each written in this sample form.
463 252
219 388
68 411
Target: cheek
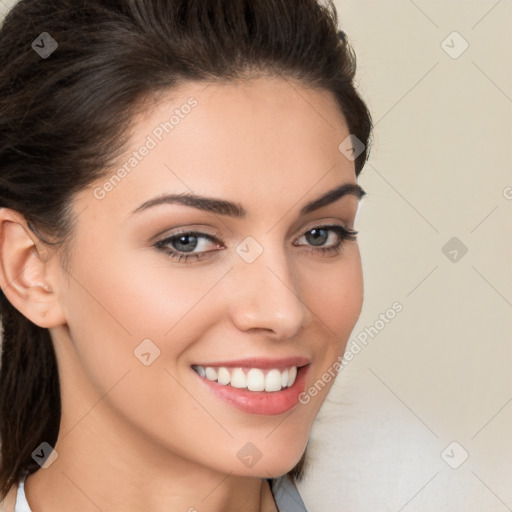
113 306
335 294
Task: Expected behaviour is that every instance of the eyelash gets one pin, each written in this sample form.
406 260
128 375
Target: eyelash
343 233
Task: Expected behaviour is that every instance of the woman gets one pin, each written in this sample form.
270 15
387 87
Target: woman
178 260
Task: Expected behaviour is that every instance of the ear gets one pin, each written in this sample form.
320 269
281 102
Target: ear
28 274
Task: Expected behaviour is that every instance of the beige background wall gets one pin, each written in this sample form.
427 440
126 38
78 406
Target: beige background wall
440 371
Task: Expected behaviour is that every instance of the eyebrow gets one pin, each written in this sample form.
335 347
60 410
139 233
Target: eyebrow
223 207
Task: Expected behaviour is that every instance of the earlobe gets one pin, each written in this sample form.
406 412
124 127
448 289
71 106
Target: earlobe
25 273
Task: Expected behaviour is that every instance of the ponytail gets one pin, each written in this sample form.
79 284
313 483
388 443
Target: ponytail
29 394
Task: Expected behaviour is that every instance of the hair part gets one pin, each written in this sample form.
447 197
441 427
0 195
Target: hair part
67 118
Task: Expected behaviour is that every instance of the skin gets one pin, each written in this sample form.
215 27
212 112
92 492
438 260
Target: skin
135 437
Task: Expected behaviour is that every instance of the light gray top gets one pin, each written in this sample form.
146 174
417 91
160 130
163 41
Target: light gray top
286 495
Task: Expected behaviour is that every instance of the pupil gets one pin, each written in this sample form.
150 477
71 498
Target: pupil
316 236
187 247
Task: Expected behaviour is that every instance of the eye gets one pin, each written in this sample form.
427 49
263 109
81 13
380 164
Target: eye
183 244
187 245
318 236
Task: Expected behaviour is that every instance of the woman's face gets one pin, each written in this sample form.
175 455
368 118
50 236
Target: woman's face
145 302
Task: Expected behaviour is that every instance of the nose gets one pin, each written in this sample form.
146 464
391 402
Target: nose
265 295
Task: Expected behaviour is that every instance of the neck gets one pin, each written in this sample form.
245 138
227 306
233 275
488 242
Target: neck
101 469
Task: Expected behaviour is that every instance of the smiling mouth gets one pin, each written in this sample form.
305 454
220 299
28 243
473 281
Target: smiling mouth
252 379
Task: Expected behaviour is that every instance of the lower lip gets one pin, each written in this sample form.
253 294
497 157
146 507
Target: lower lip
260 402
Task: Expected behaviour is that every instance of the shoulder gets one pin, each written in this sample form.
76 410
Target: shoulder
8 504
286 494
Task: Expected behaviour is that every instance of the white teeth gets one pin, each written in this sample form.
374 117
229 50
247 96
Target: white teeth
211 373
292 373
223 376
254 380
284 379
238 378
273 380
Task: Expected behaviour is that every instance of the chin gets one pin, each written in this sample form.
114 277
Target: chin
276 465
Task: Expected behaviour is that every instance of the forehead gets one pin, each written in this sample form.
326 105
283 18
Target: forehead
246 141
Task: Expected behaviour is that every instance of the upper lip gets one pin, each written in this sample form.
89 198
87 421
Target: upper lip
260 362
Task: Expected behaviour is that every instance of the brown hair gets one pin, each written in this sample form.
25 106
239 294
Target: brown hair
64 120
